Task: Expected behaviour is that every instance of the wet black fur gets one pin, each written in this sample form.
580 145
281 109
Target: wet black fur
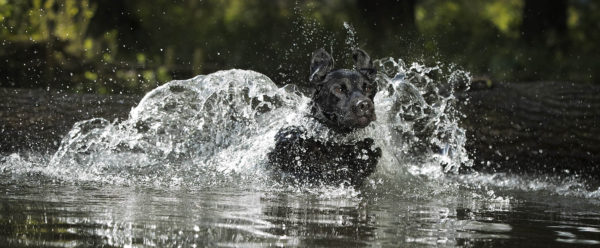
342 101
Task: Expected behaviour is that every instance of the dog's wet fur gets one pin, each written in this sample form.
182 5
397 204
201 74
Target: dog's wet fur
343 102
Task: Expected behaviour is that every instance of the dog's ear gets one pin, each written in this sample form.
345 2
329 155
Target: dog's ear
320 65
363 64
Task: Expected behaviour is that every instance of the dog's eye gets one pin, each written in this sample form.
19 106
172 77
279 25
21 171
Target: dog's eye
339 89
366 88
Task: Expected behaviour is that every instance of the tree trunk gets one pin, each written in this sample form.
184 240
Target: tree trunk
535 127
34 119
520 127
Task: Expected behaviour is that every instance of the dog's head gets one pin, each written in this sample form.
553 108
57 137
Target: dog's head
343 99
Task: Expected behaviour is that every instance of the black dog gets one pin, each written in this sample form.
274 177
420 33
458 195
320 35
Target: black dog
343 102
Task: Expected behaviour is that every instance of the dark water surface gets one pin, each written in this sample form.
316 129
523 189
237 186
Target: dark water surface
67 216
188 168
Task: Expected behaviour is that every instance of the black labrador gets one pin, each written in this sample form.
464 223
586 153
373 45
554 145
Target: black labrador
343 102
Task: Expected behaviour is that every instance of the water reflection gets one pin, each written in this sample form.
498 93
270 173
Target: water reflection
342 221
66 216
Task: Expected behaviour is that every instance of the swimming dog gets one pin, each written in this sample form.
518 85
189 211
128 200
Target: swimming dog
343 102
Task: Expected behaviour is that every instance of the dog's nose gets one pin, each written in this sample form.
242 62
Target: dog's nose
364 106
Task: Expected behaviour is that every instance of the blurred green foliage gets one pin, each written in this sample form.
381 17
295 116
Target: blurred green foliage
109 46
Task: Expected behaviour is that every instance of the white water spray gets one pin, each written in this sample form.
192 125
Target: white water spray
218 128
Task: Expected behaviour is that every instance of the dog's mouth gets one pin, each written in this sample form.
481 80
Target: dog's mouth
348 122
365 120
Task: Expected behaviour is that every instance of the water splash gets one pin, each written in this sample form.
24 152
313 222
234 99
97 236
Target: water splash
185 132
218 128
422 116
351 40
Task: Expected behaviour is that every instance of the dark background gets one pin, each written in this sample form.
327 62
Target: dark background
534 108
108 46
